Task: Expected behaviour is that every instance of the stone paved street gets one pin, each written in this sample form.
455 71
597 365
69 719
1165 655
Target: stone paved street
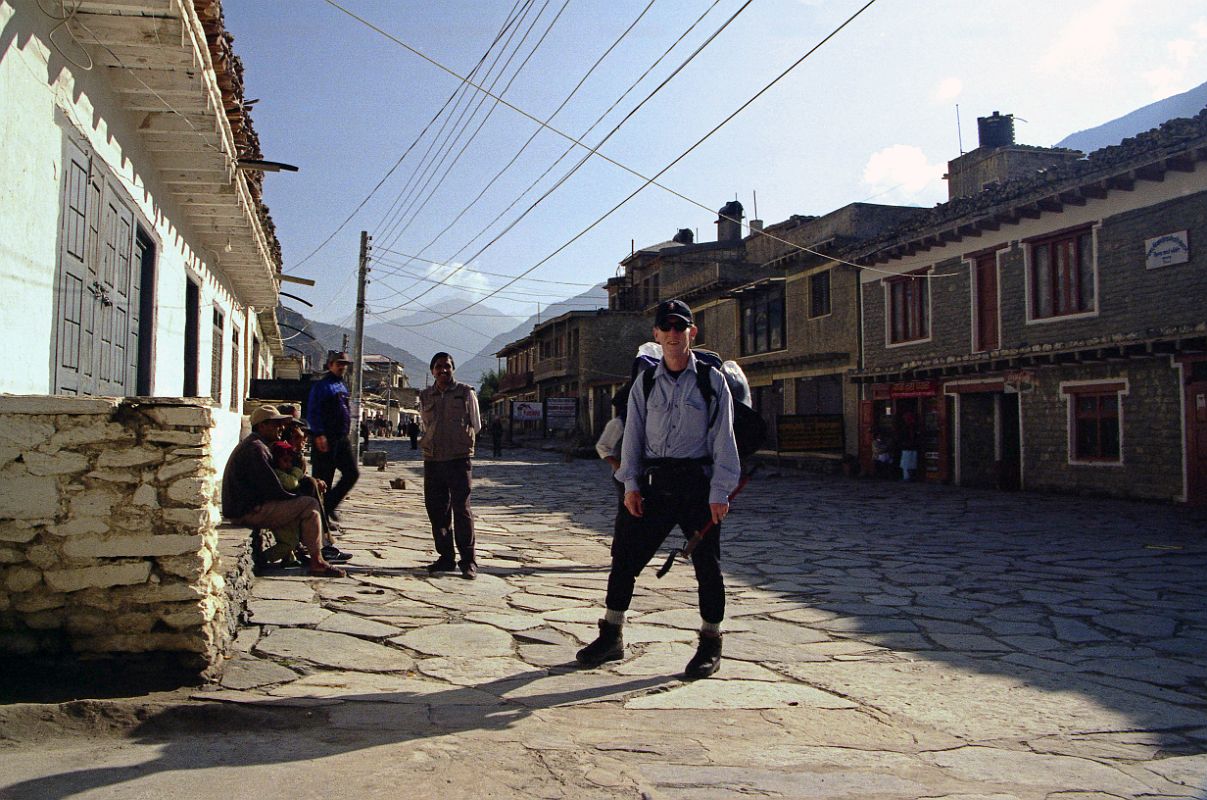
883 641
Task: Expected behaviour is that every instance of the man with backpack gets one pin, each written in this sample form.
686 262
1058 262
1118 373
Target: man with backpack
679 464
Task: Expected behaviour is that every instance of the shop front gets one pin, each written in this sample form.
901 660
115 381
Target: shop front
905 416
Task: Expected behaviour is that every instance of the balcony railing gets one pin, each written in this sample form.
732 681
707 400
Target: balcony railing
551 368
515 380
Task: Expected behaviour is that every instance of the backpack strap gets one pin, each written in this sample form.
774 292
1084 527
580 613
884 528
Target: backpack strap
704 383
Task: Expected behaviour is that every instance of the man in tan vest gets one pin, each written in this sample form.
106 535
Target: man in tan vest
451 421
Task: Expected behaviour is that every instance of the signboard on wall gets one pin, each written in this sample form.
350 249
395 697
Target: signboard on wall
526 411
809 432
1171 248
561 413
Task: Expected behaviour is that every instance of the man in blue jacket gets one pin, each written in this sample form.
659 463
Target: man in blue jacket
329 415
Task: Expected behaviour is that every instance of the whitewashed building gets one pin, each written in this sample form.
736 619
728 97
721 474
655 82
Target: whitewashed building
136 261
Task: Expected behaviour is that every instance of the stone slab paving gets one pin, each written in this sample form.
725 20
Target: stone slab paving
883 641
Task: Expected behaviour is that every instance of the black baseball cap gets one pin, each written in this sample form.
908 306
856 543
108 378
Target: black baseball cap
673 308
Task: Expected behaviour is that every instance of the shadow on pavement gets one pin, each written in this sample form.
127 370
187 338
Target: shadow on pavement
201 736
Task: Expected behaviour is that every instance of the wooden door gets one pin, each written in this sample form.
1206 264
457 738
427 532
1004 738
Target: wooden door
987 333
1196 442
97 286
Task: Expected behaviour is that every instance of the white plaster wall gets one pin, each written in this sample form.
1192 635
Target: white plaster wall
38 88
29 205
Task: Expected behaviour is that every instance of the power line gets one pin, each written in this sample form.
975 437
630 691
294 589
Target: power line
408 212
475 271
506 25
653 180
595 150
590 71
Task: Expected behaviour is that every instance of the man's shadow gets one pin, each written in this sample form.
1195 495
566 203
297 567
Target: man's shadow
251 734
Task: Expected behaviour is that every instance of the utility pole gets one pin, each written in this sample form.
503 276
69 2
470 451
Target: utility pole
358 346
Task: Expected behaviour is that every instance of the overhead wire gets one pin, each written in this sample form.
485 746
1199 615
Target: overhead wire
431 164
411 257
494 179
611 133
653 180
396 272
506 25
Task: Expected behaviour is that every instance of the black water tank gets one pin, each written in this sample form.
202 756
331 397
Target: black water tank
996 130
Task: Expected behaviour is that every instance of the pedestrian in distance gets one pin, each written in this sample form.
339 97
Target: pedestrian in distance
679 463
329 415
496 437
451 421
413 432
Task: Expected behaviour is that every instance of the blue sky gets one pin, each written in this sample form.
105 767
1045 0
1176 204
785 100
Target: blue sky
870 116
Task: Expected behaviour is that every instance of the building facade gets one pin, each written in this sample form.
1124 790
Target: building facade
140 276
1049 331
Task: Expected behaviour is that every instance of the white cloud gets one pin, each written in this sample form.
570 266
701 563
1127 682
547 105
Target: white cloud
1087 40
902 173
475 281
947 90
1184 69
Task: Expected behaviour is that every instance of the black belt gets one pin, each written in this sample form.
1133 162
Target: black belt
702 461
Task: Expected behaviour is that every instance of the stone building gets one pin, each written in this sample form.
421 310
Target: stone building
1049 330
795 328
581 356
139 267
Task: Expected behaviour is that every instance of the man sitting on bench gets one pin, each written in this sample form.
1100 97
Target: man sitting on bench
252 494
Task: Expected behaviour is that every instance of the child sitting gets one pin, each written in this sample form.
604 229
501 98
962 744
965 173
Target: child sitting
288 537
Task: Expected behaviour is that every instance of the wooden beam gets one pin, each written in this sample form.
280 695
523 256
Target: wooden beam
159 32
1072 198
1124 183
1150 172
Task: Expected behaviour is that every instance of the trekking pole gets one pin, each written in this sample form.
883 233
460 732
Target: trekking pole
698 536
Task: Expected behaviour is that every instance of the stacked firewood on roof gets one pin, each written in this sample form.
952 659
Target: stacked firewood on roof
228 68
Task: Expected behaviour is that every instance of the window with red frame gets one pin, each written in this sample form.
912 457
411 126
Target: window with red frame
908 316
1062 275
1095 424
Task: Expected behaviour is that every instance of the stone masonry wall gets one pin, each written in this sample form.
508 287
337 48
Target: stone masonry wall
1152 441
107 529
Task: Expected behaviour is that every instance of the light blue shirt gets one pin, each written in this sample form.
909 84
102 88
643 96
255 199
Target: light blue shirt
673 423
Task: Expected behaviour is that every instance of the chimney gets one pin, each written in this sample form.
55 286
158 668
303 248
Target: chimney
684 236
756 225
729 222
995 130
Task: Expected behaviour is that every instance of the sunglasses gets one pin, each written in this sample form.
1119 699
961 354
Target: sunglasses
674 325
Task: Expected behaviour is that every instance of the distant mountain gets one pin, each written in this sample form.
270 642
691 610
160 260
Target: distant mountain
1186 104
464 334
331 337
471 371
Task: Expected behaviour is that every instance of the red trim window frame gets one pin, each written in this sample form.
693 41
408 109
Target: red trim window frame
1095 417
908 299
1061 275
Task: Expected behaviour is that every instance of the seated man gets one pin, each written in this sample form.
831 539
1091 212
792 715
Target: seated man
252 494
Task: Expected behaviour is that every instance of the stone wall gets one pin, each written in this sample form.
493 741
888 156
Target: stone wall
107 529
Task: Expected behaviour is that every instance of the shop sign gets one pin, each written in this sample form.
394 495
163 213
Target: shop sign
561 413
526 411
802 432
913 389
1162 251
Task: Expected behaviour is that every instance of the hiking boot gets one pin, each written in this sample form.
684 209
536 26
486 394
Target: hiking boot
469 571
608 646
707 659
442 565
